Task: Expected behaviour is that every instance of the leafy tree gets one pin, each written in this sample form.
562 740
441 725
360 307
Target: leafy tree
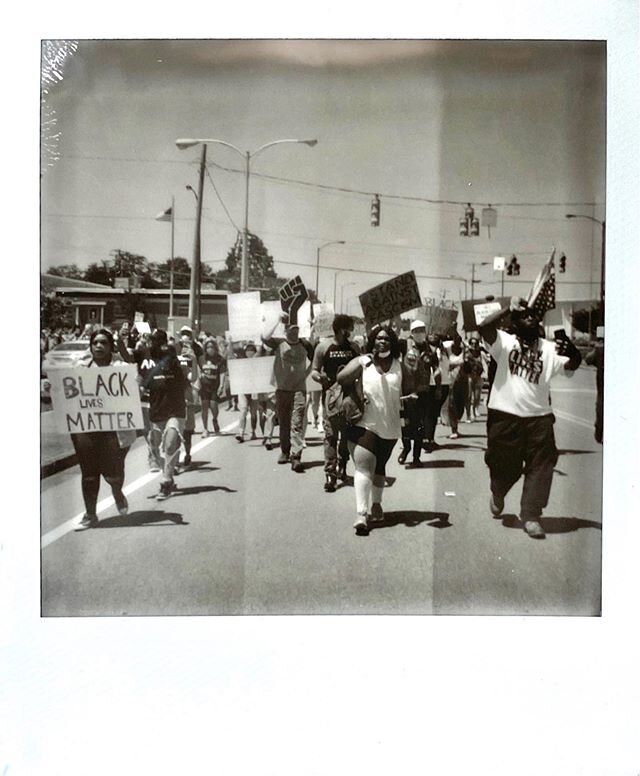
54 314
99 273
181 273
262 274
67 271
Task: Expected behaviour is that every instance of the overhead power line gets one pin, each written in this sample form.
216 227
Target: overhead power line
345 189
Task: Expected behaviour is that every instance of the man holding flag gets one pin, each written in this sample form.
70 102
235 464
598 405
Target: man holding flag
520 436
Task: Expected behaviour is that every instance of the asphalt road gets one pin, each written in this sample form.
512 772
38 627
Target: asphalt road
245 536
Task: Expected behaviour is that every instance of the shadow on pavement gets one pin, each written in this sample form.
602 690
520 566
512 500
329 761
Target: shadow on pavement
554 525
439 464
312 464
199 466
201 489
142 519
411 519
577 452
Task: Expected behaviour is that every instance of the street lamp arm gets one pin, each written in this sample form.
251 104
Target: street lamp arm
589 218
310 143
183 143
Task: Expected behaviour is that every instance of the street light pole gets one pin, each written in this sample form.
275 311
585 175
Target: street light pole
183 143
194 286
318 249
603 229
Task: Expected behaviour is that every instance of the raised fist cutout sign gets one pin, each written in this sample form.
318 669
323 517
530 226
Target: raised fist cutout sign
292 296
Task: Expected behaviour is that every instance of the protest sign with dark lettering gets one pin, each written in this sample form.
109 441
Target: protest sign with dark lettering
390 298
105 398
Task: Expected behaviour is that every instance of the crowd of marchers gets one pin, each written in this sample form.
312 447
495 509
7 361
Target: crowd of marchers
370 396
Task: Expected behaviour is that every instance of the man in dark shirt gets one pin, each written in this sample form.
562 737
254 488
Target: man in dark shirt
290 368
166 384
329 357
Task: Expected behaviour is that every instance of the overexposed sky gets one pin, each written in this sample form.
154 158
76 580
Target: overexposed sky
517 123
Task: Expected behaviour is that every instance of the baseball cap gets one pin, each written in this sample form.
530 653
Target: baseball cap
417 325
186 330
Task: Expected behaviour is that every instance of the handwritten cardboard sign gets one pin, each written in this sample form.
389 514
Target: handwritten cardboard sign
245 315
251 375
323 315
103 398
390 298
292 296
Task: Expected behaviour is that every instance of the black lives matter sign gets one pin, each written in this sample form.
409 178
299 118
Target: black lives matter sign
390 298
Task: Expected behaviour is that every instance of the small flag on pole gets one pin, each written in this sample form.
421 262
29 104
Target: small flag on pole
165 215
543 294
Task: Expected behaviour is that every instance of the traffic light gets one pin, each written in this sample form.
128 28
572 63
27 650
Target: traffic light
513 268
563 263
469 225
475 227
375 211
464 227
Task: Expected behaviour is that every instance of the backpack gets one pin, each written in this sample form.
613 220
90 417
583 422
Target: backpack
347 401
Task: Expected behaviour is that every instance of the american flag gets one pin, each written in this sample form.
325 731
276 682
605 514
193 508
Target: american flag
543 294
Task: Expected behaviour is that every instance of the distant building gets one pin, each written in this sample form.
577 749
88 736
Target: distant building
95 303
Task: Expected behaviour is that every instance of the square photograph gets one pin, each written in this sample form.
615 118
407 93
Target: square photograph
322 327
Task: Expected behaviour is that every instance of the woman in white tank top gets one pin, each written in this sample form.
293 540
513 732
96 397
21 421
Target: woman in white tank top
374 436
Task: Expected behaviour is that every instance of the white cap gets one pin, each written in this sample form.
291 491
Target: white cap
186 329
417 325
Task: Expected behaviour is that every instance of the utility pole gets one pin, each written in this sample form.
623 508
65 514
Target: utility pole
194 287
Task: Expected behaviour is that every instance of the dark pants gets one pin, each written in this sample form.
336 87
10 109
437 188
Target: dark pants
335 442
435 397
290 407
516 445
99 454
413 411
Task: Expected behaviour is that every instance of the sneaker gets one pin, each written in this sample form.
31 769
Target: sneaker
88 521
154 468
269 446
403 456
297 465
415 464
455 435
205 433
376 512
534 529
122 506
166 489
283 458
240 438
216 427
187 460
496 505
253 435
468 420
362 529
330 484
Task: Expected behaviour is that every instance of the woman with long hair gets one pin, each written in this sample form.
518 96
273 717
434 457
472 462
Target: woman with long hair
213 370
101 453
372 438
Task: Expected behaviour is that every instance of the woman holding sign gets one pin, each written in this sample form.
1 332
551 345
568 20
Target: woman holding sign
101 453
373 437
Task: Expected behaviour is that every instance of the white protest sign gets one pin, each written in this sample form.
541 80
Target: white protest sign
105 398
138 317
251 375
143 327
304 320
323 316
245 315
481 311
271 312
498 263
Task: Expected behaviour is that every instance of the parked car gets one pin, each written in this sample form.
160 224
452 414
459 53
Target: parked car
66 354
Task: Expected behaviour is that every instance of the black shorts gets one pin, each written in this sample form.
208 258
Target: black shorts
380 447
209 391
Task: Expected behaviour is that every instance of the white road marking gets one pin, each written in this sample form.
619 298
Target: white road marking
573 419
69 525
575 390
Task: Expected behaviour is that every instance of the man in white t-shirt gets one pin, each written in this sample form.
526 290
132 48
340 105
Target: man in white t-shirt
520 419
